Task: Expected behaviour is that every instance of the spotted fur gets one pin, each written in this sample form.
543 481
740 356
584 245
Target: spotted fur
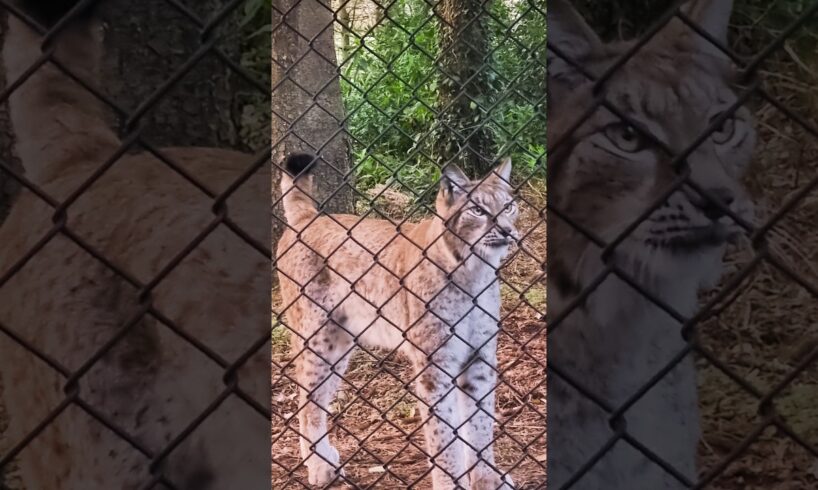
427 290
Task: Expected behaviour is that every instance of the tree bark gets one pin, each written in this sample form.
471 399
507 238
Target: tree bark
146 42
464 87
8 186
308 113
345 25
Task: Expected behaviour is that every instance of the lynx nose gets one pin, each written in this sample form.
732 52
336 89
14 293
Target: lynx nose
710 209
507 232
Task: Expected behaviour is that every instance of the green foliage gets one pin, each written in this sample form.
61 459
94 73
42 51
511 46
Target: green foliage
390 91
256 15
255 27
518 68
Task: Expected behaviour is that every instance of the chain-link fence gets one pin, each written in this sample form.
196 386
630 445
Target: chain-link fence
670 109
135 279
389 317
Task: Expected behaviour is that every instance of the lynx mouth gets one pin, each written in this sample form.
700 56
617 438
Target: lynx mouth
499 242
693 239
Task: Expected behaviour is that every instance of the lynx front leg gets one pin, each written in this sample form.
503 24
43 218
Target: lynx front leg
476 398
438 402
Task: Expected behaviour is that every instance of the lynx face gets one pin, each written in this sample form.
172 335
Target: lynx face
628 171
672 90
608 173
480 213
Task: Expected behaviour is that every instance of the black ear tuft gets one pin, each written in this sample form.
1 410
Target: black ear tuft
453 182
299 164
49 12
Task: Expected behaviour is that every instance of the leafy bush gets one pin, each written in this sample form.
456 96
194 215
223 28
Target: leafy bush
390 91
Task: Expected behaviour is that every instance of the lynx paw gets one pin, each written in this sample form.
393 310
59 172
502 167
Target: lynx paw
493 482
323 470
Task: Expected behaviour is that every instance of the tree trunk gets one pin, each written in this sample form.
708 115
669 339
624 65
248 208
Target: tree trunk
464 88
345 26
8 186
149 41
308 112
201 109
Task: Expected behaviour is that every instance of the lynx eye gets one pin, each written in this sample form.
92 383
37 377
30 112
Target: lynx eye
510 208
478 211
625 137
725 132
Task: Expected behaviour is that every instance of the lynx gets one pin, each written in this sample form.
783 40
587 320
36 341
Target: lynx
603 177
427 289
57 299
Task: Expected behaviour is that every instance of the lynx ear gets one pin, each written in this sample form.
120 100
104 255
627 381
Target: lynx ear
568 32
453 182
712 16
503 170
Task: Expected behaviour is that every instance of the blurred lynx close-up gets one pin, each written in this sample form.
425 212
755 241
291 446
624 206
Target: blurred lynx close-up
607 173
133 318
682 169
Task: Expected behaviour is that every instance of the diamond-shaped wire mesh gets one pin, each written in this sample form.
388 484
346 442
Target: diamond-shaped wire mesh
752 401
376 429
410 108
84 442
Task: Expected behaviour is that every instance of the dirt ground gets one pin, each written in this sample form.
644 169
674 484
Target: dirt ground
377 431
768 327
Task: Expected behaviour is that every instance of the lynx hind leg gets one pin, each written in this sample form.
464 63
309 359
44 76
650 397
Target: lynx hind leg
319 364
